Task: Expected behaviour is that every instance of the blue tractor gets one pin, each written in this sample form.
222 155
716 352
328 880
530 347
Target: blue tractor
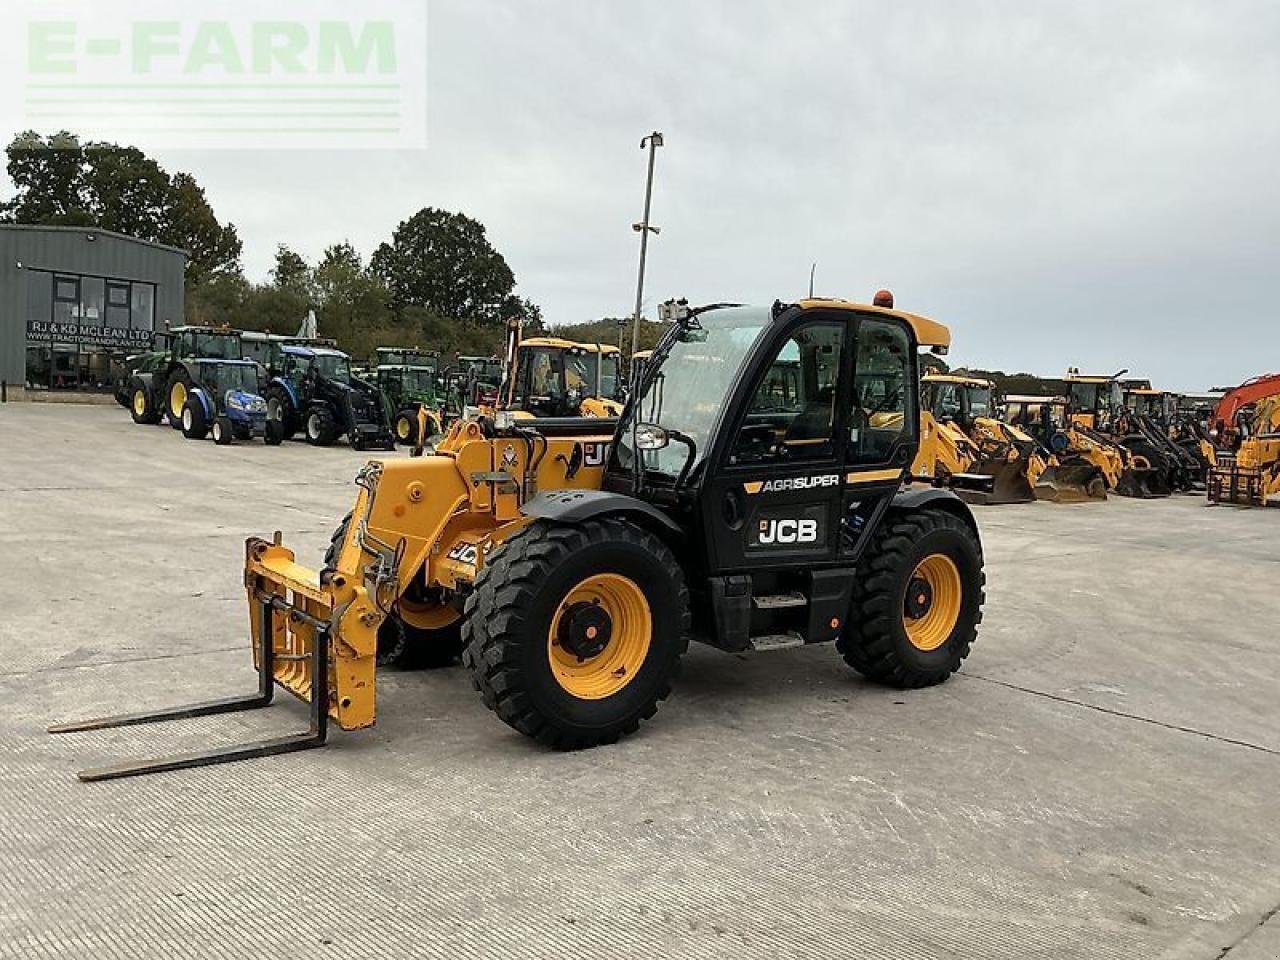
313 390
223 399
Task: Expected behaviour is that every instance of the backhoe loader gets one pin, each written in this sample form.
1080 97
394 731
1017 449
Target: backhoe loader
1250 475
570 560
1153 414
1097 409
959 434
1081 465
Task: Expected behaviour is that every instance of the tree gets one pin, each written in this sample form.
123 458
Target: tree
444 263
291 272
191 224
49 177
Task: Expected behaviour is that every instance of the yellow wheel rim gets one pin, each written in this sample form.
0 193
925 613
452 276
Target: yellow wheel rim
402 428
139 402
426 616
931 607
604 608
177 398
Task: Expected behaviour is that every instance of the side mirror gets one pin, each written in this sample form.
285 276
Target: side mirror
650 436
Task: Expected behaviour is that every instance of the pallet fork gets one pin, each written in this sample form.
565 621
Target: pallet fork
315 736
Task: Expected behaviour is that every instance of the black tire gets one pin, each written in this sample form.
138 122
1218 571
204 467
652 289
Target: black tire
320 426
273 433
876 642
510 612
223 431
405 427
280 408
142 405
194 423
241 431
172 413
401 645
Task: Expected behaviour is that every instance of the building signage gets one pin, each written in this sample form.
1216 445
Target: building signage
88 334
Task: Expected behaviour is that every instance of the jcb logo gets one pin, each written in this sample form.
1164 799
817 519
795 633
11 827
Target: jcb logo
593 454
788 531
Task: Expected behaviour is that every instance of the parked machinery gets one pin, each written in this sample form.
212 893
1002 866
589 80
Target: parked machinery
1250 474
959 434
1224 422
413 390
223 400
560 378
571 560
160 380
1154 414
1082 465
315 391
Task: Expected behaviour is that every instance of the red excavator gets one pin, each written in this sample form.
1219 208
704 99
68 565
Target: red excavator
1224 427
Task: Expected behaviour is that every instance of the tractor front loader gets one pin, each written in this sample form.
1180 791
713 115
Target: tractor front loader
568 562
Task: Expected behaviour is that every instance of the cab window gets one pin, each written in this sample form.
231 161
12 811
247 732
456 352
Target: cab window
792 414
882 416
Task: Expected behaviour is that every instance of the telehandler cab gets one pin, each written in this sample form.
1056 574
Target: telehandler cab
571 560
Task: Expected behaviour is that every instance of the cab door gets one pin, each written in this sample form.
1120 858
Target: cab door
816 445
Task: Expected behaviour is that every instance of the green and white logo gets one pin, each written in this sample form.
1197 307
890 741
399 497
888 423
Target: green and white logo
316 74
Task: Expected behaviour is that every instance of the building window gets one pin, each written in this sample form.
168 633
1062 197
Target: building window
79 328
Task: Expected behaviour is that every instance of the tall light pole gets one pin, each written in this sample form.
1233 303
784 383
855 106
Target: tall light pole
644 228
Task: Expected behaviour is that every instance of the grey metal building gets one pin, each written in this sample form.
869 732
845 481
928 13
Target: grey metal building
74 301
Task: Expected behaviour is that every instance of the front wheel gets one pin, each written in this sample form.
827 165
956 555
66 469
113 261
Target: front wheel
917 600
322 428
574 634
223 431
141 406
406 427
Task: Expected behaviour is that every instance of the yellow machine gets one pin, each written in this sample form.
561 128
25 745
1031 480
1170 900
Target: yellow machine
1081 465
1251 475
959 434
569 561
561 378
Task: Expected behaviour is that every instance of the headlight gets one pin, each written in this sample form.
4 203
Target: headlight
234 401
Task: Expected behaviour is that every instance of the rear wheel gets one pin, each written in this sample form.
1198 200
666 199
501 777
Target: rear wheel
176 392
574 634
141 406
195 426
917 601
280 409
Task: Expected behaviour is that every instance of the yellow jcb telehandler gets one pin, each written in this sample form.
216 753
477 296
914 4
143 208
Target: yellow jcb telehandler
569 561
1250 474
1081 466
959 434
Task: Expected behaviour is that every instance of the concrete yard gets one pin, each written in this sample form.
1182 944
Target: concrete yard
1101 780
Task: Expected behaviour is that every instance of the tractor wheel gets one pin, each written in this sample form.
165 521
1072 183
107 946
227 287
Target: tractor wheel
406 427
917 600
175 397
241 430
195 425
273 433
280 409
223 431
141 406
573 634
322 428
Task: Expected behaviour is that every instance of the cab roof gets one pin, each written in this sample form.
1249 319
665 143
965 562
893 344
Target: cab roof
557 343
929 333
959 378
1030 398
311 351
228 362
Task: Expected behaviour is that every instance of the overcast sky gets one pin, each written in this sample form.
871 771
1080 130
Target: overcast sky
1088 184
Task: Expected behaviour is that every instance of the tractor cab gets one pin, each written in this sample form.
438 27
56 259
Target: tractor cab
215 343
961 399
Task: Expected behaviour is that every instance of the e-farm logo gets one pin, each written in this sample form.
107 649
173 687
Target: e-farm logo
239 74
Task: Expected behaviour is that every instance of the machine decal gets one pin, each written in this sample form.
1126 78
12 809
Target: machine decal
593 454
801 483
787 531
788 526
509 457
464 552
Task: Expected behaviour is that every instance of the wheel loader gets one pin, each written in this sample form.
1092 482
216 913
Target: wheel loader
1250 475
569 561
1080 465
959 434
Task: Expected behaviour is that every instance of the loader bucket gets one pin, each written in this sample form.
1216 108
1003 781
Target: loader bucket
1141 484
1075 483
1009 483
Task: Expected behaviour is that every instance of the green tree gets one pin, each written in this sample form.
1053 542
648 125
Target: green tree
291 273
444 263
192 225
49 177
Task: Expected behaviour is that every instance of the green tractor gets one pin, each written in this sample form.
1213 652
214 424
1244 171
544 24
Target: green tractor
471 382
160 381
411 387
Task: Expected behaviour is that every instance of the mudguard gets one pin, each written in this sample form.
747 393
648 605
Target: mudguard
289 389
579 506
934 498
209 411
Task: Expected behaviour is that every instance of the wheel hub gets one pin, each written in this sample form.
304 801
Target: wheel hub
919 598
585 630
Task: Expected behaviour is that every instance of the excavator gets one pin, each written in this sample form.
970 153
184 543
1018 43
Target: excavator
1250 475
1082 466
1224 428
569 561
959 434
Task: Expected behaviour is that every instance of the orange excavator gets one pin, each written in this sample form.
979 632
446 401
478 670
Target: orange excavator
1224 425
